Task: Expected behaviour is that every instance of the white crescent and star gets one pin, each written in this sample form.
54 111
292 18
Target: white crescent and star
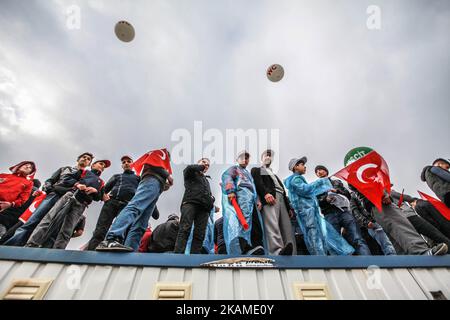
363 168
163 157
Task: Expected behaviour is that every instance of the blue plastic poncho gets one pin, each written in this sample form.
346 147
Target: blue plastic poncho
239 181
320 236
208 243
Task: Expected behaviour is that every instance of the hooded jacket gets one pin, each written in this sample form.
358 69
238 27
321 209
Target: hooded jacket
15 188
164 236
438 180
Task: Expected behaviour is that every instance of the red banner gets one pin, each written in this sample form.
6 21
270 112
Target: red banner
440 206
370 176
157 158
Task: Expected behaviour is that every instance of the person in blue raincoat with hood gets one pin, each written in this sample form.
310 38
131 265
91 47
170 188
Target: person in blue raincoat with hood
320 237
237 182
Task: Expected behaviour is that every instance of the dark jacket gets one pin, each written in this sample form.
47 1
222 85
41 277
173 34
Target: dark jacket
90 178
159 173
164 236
62 180
438 180
264 184
10 216
122 185
358 209
327 207
197 188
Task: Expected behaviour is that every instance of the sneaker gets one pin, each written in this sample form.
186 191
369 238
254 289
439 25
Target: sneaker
439 250
31 245
113 246
155 214
287 250
256 251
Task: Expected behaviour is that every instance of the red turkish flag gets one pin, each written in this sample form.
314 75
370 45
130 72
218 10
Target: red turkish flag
33 206
157 158
441 207
370 176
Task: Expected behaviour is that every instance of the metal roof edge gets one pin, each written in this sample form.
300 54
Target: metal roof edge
42 255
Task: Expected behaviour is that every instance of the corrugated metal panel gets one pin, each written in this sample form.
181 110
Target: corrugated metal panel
119 282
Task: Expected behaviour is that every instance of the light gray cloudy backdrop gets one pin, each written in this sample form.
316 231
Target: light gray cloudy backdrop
66 91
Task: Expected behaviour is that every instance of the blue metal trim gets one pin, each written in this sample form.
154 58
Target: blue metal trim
193 261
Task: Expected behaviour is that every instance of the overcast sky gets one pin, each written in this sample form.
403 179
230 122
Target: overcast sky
65 91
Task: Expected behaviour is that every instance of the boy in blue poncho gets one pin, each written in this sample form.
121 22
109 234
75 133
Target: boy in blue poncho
238 183
320 237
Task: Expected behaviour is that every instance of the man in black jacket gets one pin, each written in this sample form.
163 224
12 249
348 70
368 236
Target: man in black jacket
164 236
195 207
437 177
275 208
427 211
119 190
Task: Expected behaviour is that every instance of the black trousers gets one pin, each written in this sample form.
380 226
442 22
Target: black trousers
109 212
427 211
428 230
191 214
10 232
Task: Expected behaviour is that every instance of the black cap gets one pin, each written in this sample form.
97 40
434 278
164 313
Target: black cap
441 159
86 153
319 167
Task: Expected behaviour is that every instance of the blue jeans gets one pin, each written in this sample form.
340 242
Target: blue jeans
345 220
22 234
132 221
381 237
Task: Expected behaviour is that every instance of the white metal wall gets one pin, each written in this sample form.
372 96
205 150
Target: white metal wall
107 282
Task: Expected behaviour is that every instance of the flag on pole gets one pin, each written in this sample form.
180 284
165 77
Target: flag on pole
370 176
400 200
